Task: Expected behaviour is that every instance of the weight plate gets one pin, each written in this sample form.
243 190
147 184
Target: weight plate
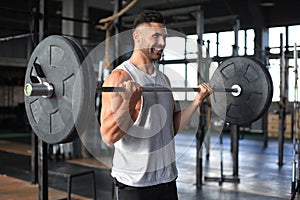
256 93
53 119
87 75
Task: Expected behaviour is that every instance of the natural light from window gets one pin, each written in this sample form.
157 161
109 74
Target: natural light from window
185 49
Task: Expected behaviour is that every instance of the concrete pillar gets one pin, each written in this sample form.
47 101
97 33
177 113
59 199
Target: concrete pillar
261 41
68 11
85 26
76 9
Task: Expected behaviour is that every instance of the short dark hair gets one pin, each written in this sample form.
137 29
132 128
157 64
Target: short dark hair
148 16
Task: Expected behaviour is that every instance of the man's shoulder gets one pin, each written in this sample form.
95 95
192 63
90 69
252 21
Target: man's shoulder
123 65
119 72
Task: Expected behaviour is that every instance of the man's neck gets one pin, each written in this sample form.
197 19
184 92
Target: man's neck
142 62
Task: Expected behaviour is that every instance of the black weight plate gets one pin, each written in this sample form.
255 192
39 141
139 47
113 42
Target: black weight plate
86 74
256 95
53 119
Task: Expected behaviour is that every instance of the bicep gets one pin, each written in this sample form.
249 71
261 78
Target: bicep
111 100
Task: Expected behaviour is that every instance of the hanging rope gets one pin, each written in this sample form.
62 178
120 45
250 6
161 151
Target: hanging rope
108 27
106 60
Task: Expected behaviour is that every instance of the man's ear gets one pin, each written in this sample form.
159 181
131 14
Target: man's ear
135 36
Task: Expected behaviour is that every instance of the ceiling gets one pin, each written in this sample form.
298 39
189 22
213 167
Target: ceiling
219 15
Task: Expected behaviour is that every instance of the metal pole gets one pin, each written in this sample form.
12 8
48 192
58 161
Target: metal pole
185 68
265 119
222 178
235 129
201 127
236 29
245 41
34 158
295 117
207 138
42 146
217 45
282 103
34 138
117 22
43 170
235 53
235 148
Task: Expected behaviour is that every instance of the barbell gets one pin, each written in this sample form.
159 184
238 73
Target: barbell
60 89
46 89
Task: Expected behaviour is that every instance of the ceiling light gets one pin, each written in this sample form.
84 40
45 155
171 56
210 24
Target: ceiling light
267 3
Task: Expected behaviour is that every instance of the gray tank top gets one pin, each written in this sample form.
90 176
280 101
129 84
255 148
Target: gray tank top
145 155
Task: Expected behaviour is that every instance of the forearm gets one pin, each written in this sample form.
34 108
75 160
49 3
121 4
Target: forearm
183 117
114 125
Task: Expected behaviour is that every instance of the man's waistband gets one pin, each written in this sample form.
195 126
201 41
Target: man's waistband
161 185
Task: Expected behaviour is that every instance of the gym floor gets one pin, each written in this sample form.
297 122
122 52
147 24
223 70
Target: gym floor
259 174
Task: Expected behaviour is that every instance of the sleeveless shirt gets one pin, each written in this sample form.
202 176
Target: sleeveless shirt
145 155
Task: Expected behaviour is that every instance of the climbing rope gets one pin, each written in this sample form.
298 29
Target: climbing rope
108 25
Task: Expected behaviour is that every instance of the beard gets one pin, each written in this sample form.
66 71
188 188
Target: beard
153 53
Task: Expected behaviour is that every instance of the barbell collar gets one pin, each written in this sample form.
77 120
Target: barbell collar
238 90
44 89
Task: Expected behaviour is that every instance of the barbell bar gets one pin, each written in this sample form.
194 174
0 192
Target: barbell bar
46 89
60 89
166 89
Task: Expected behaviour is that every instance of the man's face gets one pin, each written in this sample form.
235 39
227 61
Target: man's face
152 39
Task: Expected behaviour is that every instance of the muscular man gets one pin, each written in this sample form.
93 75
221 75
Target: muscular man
142 126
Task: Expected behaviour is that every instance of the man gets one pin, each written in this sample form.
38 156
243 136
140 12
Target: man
142 126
